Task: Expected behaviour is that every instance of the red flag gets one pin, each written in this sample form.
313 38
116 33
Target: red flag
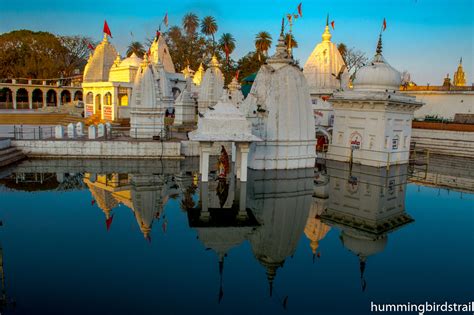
107 29
89 45
158 34
332 24
108 222
300 12
384 25
237 75
92 202
165 19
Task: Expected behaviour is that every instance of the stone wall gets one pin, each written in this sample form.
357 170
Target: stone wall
456 143
98 149
444 104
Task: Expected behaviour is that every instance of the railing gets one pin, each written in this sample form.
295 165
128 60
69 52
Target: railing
29 133
25 132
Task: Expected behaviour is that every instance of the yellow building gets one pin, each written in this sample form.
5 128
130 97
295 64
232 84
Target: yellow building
109 80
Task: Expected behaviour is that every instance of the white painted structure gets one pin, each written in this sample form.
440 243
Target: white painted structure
372 123
211 87
185 106
279 108
235 92
152 96
223 123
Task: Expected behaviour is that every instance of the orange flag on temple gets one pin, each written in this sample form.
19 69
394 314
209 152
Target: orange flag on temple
107 29
237 75
300 12
384 25
332 24
165 20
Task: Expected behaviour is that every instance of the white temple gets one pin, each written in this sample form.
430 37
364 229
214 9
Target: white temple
151 96
211 86
325 69
326 73
279 107
372 123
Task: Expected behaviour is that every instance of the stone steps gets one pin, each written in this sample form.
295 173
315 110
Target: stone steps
31 119
9 156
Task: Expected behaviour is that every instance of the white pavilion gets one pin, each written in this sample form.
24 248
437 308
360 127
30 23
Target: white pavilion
372 123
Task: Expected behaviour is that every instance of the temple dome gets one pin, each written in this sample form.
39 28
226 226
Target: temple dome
378 75
98 66
362 245
323 65
132 61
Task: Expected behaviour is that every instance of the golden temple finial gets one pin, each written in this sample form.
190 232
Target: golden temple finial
459 78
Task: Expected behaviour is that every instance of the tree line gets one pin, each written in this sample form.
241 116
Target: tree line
29 54
41 55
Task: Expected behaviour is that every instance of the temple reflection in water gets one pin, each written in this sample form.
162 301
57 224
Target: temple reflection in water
272 216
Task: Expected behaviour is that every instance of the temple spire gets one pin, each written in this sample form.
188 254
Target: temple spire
282 32
379 45
327 20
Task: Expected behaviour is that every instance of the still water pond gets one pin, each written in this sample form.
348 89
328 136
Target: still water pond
148 238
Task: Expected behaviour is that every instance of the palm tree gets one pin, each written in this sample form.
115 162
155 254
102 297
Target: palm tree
209 27
294 43
263 42
190 23
227 40
137 48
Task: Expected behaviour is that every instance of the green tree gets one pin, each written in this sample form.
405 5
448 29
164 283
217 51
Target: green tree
190 24
209 27
227 40
137 48
263 42
77 52
250 64
28 54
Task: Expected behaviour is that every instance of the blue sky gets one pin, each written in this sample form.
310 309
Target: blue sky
425 37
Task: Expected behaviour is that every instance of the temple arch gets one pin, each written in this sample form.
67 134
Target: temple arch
22 99
65 97
108 99
37 98
90 98
51 98
6 98
98 102
78 96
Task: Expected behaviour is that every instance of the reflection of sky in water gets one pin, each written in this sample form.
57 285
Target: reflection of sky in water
59 258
